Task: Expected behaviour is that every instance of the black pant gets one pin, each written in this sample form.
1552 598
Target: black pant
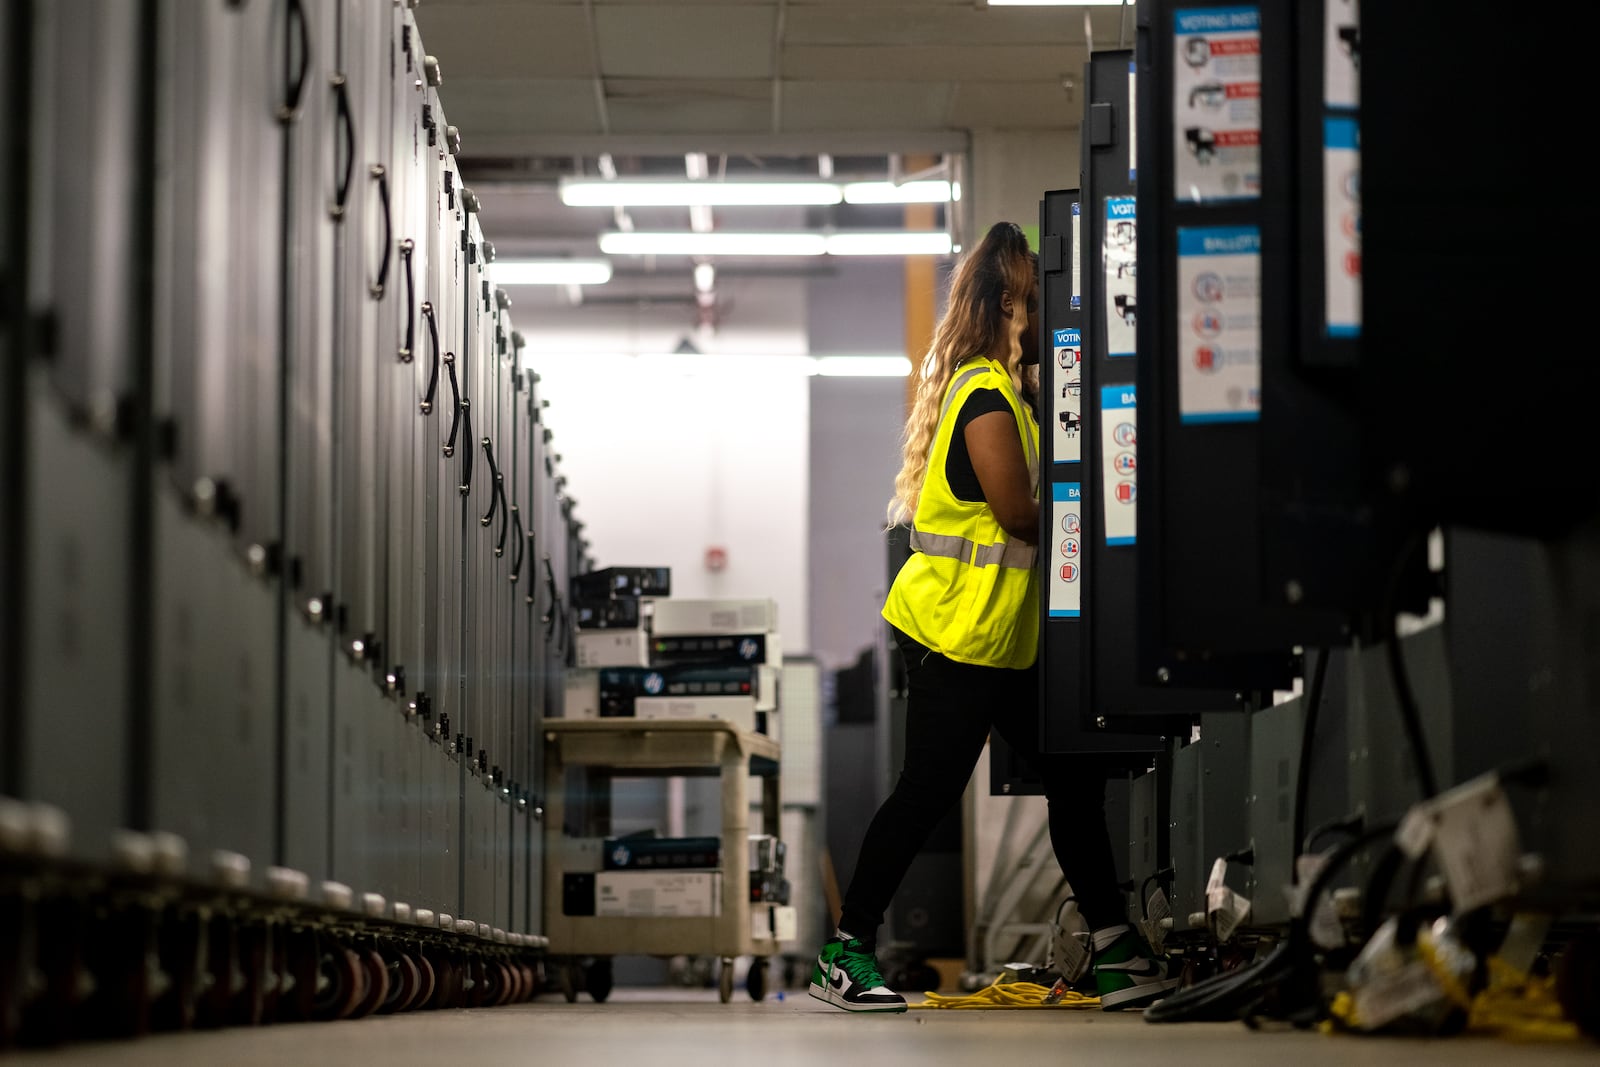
951 708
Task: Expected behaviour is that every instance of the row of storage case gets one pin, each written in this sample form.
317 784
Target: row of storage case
285 578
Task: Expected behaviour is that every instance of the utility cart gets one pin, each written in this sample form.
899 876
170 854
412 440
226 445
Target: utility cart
636 748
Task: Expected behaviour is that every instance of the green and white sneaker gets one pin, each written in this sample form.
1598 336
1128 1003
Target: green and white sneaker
1126 975
846 975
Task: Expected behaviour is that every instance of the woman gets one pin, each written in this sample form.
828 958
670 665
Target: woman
964 611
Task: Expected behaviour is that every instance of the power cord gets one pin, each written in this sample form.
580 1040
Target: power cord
1282 984
1410 716
1302 784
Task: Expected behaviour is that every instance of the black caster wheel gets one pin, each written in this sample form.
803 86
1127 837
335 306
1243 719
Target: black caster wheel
252 975
340 983
297 974
755 980
181 942
725 984
598 979
571 980
119 955
405 982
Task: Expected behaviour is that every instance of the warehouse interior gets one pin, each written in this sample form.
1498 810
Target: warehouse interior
451 443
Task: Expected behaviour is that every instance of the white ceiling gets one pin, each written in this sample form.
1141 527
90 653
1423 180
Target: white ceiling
541 88
564 77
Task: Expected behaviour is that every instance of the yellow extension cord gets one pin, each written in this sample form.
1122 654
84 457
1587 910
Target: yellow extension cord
1009 995
1513 1005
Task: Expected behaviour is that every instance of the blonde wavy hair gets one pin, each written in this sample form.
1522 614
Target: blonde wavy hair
974 324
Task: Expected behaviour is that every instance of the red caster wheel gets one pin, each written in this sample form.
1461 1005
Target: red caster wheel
377 983
340 984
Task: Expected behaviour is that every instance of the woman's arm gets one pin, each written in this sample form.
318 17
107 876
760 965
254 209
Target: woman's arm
1002 471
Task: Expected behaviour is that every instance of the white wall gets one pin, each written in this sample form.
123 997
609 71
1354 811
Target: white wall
663 464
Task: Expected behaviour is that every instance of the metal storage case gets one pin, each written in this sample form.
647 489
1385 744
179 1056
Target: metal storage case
666 748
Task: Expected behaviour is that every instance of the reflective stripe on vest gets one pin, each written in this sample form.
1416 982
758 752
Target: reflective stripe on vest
951 546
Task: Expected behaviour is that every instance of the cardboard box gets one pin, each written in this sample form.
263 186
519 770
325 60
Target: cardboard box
675 618
657 894
740 711
581 693
613 648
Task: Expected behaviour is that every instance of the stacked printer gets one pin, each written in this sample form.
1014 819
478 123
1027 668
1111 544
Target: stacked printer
642 653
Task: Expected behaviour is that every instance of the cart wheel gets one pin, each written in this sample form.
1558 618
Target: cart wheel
755 981
301 956
405 982
428 984
598 979
181 940
725 985
339 983
437 970
505 985
377 987
571 980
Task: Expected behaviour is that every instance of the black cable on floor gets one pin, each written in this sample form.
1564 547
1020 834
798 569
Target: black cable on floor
1283 984
1410 717
1302 784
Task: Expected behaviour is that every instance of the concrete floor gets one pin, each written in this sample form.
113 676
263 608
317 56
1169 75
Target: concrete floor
671 1027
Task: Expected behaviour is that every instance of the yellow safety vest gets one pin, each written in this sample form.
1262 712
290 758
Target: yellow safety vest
969 591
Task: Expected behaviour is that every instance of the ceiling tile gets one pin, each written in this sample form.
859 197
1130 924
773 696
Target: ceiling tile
499 106
1013 63
689 106
686 40
1042 105
501 40
864 105
964 25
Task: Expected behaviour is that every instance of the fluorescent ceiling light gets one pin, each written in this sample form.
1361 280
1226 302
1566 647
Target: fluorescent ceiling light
712 244
893 243
550 271
752 194
928 192
889 244
698 194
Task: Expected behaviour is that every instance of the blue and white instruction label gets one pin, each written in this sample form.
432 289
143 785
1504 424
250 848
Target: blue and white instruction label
1219 324
1066 517
1119 453
1121 253
1216 106
1067 444
1341 216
